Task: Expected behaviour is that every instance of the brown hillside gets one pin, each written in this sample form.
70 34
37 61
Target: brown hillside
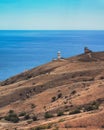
70 90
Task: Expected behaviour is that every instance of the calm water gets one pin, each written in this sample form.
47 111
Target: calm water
22 50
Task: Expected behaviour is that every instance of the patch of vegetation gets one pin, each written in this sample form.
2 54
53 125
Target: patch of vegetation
12 116
60 113
102 77
61 120
27 117
82 126
53 99
59 95
1 118
28 77
11 111
39 128
73 92
22 114
48 115
102 126
75 111
34 118
33 106
68 126
93 106
66 97
65 102
29 121
44 127
49 125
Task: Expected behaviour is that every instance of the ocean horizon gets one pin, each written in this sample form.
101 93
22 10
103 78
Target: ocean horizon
21 50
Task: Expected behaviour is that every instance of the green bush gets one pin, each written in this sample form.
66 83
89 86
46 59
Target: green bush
22 114
90 108
26 117
42 127
12 117
33 106
48 115
73 92
93 106
53 99
60 113
34 118
59 95
75 111
39 128
11 111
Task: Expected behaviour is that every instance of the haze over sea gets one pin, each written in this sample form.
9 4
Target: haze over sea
23 50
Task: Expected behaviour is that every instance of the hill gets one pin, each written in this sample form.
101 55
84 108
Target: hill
60 95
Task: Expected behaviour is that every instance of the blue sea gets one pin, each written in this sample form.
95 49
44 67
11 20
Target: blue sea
23 50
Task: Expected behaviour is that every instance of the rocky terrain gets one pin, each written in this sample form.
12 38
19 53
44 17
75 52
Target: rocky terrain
65 94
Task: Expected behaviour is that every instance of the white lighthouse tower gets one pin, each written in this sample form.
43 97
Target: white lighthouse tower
58 55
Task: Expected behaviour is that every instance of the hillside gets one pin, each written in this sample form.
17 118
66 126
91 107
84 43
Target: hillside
65 94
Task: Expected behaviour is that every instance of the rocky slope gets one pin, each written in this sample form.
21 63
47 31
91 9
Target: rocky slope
60 95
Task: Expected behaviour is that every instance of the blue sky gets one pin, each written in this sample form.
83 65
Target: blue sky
52 14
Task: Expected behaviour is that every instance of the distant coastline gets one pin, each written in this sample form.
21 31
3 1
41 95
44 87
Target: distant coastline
24 49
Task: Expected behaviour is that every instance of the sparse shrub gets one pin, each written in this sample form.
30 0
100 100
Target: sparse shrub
26 117
60 113
59 95
11 111
33 106
38 128
34 118
73 92
33 83
93 106
49 125
65 102
75 111
95 103
29 121
22 114
82 126
90 108
44 127
68 126
21 94
102 77
66 97
59 91
48 115
102 126
28 77
61 120
11 116
45 108
1 117
53 99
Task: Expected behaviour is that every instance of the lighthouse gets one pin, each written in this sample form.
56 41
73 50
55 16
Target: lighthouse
58 55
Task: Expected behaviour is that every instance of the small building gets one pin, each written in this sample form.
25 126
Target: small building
86 50
58 55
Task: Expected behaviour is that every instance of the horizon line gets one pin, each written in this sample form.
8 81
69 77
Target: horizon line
51 29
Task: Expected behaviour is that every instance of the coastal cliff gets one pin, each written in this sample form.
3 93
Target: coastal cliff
65 94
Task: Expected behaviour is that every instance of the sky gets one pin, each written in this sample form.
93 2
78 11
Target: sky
51 14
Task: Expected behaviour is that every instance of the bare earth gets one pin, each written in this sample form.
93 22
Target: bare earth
65 85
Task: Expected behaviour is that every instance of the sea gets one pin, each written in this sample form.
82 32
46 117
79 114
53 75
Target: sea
21 50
